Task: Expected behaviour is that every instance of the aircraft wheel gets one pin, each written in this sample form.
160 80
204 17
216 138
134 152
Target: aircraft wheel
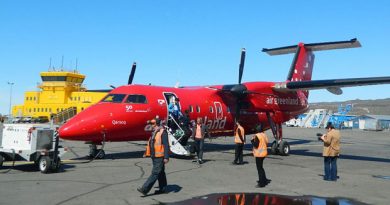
45 164
284 148
274 148
101 154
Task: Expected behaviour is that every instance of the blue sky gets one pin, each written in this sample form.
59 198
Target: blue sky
191 42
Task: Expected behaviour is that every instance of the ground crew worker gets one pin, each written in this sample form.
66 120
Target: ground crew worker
158 149
199 131
330 152
260 142
239 139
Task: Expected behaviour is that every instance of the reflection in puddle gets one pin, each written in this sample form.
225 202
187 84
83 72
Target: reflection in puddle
264 199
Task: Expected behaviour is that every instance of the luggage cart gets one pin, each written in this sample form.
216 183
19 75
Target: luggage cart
38 143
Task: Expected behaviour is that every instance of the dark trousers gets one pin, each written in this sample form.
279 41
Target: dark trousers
260 171
330 168
239 153
158 173
199 148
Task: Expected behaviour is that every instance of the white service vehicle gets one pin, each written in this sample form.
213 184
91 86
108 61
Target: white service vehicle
31 142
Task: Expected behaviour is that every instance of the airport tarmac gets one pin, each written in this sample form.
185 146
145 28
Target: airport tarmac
364 170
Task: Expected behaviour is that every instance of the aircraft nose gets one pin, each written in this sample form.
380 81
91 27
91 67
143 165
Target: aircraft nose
81 127
66 132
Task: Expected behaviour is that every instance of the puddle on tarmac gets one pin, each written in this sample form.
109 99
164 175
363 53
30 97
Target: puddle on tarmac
263 199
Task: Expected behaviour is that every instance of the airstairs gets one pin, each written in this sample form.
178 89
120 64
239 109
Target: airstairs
174 139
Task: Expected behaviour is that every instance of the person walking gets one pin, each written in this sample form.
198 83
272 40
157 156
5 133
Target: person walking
199 131
158 149
260 142
330 152
239 140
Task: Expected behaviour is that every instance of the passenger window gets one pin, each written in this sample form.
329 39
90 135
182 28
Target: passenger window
228 109
114 98
211 109
191 108
138 99
197 109
219 110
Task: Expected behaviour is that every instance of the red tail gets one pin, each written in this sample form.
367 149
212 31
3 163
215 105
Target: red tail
302 65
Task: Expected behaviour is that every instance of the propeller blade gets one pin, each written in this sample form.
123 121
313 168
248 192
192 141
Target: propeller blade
131 77
241 68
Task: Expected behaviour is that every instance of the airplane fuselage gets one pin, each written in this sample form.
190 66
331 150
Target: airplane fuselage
123 117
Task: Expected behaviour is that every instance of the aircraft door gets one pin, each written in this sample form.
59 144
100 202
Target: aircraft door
169 98
218 110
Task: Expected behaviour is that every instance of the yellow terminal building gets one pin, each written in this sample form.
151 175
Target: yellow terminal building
60 92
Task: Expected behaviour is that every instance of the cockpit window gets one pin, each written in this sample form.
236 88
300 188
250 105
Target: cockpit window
114 98
140 99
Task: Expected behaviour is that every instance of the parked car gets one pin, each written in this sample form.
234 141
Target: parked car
26 120
41 119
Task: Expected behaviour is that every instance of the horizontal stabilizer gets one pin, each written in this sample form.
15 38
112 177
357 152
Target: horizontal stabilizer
353 43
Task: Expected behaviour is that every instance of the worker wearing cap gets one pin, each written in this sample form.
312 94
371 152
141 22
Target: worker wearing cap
260 142
158 149
239 140
330 152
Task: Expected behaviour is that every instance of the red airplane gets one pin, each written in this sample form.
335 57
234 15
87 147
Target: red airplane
123 113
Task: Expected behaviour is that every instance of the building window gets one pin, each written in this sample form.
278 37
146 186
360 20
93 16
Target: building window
45 109
197 109
26 98
79 98
49 109
34 109
82 108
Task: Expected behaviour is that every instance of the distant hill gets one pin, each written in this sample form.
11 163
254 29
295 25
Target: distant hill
360 107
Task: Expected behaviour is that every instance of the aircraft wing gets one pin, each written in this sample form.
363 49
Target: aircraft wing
333 85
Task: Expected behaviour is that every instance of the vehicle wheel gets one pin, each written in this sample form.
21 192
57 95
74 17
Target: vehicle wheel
274 148
45 164
1 160
56 166
101 154
284 148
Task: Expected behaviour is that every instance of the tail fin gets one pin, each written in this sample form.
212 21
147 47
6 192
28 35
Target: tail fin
302 65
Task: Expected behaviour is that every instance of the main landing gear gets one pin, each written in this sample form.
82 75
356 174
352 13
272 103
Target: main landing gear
278 146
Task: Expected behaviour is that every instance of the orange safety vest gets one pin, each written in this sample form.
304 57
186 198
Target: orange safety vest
240 199
158 145
261 150
237 138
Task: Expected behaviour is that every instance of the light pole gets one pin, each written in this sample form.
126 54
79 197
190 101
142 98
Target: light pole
10 97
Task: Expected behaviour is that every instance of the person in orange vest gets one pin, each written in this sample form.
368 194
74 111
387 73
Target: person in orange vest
260 142
330 152
158 149
199 131
239 139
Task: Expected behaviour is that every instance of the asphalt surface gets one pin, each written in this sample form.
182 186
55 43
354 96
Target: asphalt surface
364 170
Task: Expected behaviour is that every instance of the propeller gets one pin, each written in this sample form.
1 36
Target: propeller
131 76
239 89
